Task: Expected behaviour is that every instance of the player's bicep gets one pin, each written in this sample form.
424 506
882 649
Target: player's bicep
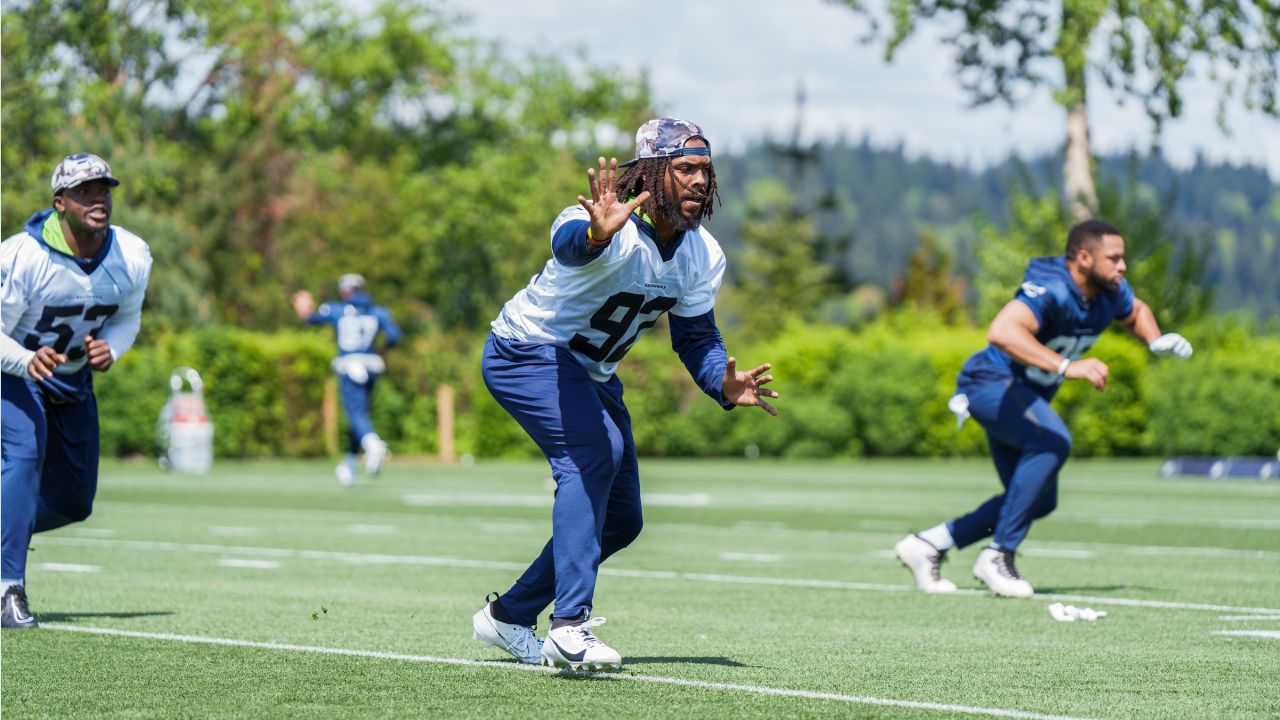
1015 322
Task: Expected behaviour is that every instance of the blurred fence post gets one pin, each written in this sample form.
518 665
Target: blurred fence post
329 411
444 423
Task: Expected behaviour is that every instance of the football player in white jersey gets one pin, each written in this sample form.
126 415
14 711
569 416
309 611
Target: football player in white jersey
633 251
73 286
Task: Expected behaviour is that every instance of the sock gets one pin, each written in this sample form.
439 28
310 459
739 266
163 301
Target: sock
939 536
6 584
370 440
577 620
500 613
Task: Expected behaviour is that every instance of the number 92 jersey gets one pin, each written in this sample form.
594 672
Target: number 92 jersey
598 309
1069 324
55 299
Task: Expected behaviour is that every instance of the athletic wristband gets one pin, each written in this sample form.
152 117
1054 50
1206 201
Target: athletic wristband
1062 369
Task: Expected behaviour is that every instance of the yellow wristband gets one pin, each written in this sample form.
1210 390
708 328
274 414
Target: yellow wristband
589 238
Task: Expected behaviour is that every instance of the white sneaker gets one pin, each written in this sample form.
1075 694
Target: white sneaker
924 561
574 647
346 472
515 639
374 455
995 568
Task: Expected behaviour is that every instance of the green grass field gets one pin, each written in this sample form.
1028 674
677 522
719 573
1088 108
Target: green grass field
757 590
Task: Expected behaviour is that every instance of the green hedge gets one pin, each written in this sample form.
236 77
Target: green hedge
881 391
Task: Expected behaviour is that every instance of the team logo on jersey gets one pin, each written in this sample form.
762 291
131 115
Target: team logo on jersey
1033 290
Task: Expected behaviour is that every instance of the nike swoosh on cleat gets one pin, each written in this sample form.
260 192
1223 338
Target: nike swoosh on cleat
572 657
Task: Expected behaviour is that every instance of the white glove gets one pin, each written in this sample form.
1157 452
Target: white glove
1171 345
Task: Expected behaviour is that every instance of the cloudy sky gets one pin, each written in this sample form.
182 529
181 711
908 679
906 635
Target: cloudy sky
734 66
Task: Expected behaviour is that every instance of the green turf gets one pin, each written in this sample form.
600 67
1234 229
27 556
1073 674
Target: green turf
770 575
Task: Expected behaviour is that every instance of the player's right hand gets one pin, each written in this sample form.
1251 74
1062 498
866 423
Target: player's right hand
303 304
608 213
43 362
1091 369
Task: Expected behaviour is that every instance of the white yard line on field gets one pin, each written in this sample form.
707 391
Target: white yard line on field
1248 618
1268 634
364 529
887 530
619 677
69 567
249 564
438 561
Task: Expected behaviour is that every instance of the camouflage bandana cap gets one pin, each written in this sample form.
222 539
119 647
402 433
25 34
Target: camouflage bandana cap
666 137
79 169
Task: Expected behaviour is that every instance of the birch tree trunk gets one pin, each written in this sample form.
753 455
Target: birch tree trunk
1077 170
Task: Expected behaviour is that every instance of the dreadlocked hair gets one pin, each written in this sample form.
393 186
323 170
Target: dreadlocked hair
648 174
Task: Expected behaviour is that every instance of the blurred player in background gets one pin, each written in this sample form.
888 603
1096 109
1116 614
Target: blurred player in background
357 323
1037 339
73 286
633 251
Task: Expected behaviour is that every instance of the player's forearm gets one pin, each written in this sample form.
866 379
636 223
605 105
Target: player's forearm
14 358
121 332
1142 322
1022 346
698 343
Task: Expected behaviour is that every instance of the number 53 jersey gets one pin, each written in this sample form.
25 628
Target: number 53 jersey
55 299
598 304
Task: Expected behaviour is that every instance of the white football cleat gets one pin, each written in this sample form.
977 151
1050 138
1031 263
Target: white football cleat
515 639
924 561
995 568
375 453
576 648
346 472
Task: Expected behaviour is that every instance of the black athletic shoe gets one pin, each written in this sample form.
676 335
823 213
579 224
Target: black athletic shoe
14 612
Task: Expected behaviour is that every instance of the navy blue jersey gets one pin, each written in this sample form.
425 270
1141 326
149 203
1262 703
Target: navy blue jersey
357 322
1069 324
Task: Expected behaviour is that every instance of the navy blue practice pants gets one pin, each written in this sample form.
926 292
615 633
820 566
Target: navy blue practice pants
1029 444
584 430
356 400
49 466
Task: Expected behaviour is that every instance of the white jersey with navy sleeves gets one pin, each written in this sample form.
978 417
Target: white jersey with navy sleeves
599 309
54 299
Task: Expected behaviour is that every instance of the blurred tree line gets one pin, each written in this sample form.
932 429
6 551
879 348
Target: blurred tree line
266 147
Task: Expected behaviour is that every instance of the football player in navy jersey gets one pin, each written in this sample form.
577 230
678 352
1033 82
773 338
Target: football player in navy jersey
357 322
73 286
620 260
1036 342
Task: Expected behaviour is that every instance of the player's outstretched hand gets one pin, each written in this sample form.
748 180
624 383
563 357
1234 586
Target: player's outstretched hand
99 354
1091 369
303 304
746 388
608 213
45 360
1171 345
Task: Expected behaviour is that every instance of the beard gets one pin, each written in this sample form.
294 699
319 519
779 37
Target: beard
676 218
1103 282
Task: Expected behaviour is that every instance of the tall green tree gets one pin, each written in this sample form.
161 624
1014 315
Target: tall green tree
776 272
1142 49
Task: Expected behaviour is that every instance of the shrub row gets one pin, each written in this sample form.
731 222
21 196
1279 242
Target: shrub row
881 391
